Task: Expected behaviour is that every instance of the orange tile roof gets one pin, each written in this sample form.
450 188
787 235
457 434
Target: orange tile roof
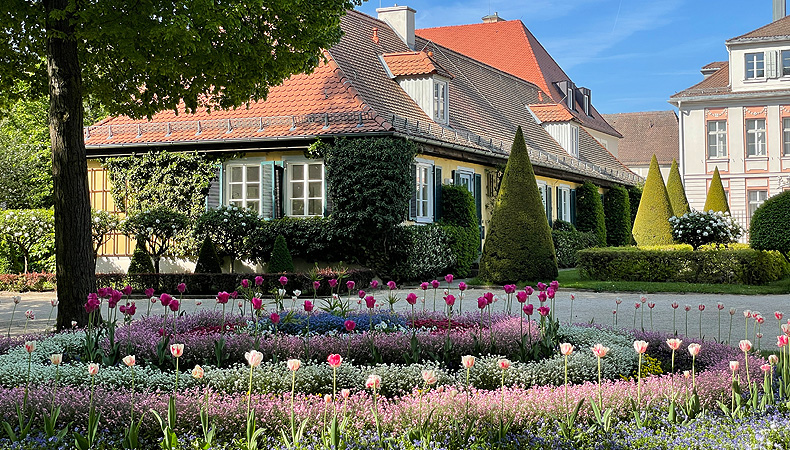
551 112
717 83
778 28
510 47
413 63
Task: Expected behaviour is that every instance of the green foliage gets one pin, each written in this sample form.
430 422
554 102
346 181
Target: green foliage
417 253
141 260
157 228
717 198
737 265
589 211
310 238
676 192
561 225
567 243
617 210
518 245
459 218
770 225
651 226
29 235
370 187
208 261
701 228
229 228
102 224
634 198
280 260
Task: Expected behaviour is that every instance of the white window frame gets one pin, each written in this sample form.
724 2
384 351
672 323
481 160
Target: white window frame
717 137
786 136
440 101
564 202
784 57
757 62
243 202
424 177
761 197
469 174
543 188
573 140
758 147
289 183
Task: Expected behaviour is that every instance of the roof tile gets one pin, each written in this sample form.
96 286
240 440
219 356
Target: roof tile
413 63
645 133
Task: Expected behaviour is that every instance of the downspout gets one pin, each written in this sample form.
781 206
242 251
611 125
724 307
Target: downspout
681 146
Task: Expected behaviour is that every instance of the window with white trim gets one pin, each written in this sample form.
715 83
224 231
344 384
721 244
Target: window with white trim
564 203
755 137
574 140
756 198
543 193
785 63
755 65
422 191
717 139
440 101
786 136
244 186
305 189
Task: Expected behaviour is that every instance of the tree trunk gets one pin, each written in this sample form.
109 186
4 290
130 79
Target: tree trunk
73 243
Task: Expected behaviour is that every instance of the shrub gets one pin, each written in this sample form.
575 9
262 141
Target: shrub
141 260
229 227
518 245
567 243
31 281
561 225
651 226
717 198
770 225
417 252
459 219
102 224
208 260
464 245
682 264
157 228
698 229
30 236
676 192
311 238
617 210
634 198
280 260
589 212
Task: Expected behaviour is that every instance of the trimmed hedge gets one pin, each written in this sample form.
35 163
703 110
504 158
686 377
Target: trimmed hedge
589 211
141 260
211 283
651 226
617 210
717 198
459 219
281 260
208 260
32 281
680 264
567 243
417 252
770 226
311 238
677 194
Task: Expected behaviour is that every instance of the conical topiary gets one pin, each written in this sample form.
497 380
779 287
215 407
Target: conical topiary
617 210
280 260
518 244
651 226
677 195
717 198
208 260
141 260
589 212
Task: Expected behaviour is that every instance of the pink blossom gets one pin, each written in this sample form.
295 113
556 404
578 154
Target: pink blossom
361 293
640 346
198 373
544 311
541 287
778 315
332 283
257 303
93 303
760 319
462 286
374 284
773 359
316 285
720 306
521 296
435 284
566 349
745 345
424 285
411 298
509 288
694 349
503 364
430 377
293 364
701 307
448 278
30 346
334 360
370 301
528 309
245 283
349 325
350 285
637 305
550 292
127 290
747 314
129 360
734 366
528 290
481 302
674 344
258 280
391 285
468 361
450 300
149 292
308 306
253 358
675 305
373 382
275 318
554 285
765 368
542 296
599 350
181 288
687 308
173 305
177 350
489 296
283 280
782 340
115 297
223 297
93 369
165 299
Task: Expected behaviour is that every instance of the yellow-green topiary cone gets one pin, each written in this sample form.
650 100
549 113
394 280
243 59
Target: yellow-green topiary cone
717 198
677 195
651 226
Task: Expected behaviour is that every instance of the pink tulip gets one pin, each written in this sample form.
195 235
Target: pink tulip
694 349
462 286
316 285
674 344
253 358
245 283
332 283
177 350
56 358
542 286
732 311
448 278
734 366
687 308
258 280
468 361
640 346
599 350
149 292
566 349
165 299
373 381
129 360
30 346
765 368
93 369
544 311
257 303
375 284
747 314
429 376
154 299
760 319
773 360
293 364
241 304
550 293
637 305
127 290
701 307
529 290
782 340
275 318
198 373
349 325
573 297
675 305
334 360
720 306
115 297
435 284
489 296
554 285
503 364
651 305
345 393
642 298
424 285
481 302
283 280
361 294
542 296
411 298
509 288
745 345
370 301
173 305
521 296
350 285
308 306
450 300
528 309
181 288
618 300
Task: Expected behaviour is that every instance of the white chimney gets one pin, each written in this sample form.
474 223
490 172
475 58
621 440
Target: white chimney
401 20
780 9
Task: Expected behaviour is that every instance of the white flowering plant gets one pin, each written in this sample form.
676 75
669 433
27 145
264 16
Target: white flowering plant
706 227
229 228
157 228
32 234
102 224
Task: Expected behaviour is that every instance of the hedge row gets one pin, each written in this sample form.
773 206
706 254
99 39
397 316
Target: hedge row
33 281
568 243
681 264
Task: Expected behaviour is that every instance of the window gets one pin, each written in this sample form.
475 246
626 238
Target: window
756 198
244 186
423 192
440 101
586 104
755 65
543 194
755 137
564 203
306 189
574 143
717 139
785 62
786 137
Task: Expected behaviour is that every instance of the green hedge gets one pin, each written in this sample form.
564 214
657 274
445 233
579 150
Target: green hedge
567 243
589 211
32 281
459 220
680 264
770 226
312 238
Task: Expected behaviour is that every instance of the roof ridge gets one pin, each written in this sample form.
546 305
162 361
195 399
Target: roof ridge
471 25
758 29
715 75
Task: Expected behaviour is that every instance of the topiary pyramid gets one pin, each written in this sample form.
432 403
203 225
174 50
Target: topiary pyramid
141 260
651 226
518 246
677 195
208 260
617 210
280 260
589 212
717 198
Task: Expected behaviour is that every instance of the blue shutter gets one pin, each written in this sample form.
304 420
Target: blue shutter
267 190
573 206
548 204
437 193
214 196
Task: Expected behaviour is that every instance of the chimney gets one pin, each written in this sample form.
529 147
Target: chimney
401 20
493 18
780 9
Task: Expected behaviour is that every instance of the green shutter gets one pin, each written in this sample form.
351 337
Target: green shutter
479 197
214 197
548 204
573 206
267 190
437 193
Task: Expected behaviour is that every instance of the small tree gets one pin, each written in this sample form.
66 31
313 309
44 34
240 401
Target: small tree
589 212
230 228
652 226
102 224
27 229
617 210
717 198
156 228
280 260
141 260
677 194
770 225
518 246
208 260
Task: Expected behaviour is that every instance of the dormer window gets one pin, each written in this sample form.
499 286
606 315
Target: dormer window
755 65
440 101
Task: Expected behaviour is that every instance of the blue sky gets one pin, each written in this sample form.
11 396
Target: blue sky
632 54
